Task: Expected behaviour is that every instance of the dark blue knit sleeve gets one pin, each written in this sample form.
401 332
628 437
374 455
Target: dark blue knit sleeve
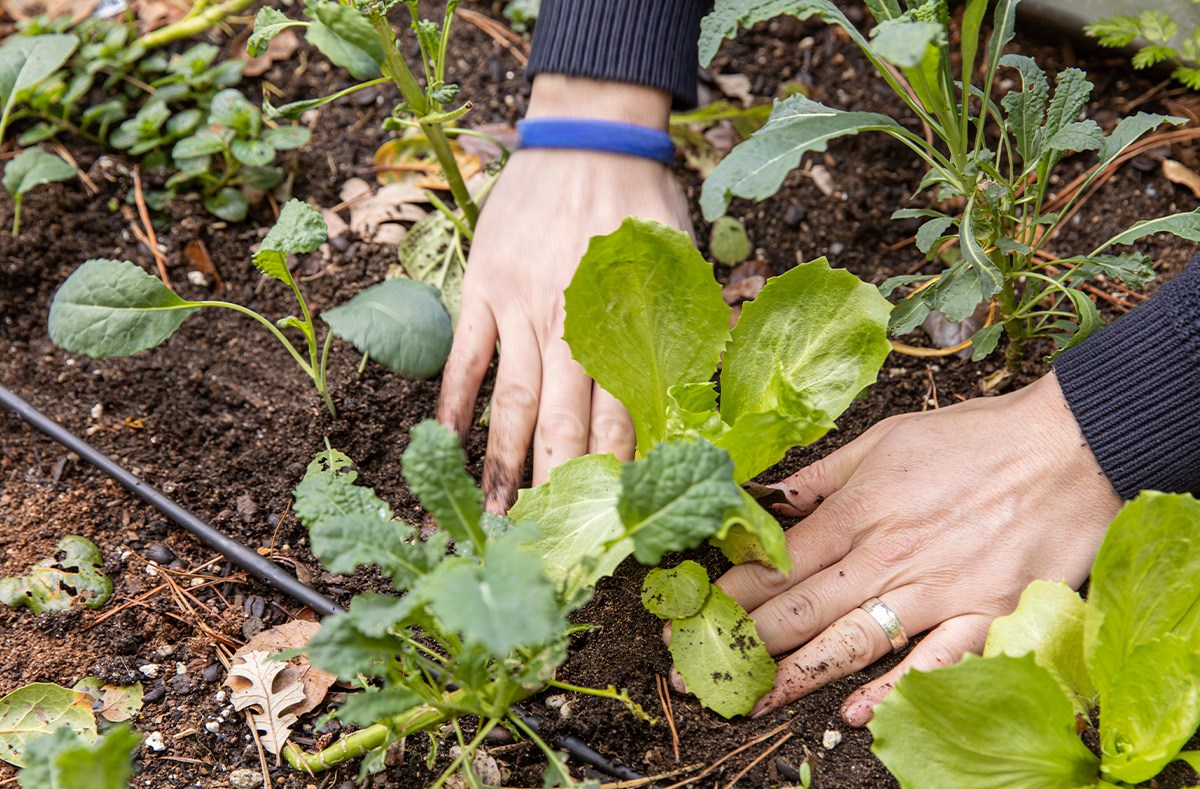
1134 389
645 42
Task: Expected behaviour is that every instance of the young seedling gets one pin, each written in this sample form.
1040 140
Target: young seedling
1131 648
114 308
24 62
1160 31
646 319
480 626
994 251
32 167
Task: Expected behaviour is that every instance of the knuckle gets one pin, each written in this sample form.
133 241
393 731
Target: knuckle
559 427
611 431
802 607
516 398
858 634
898 548
936 656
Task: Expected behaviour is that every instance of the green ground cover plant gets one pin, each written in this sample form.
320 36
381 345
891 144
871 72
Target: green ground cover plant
1010 717
990 250
1161 33
175 111
114 308
480 627
71 575
646 319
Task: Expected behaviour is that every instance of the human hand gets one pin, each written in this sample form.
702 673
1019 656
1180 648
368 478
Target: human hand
945 517
531 235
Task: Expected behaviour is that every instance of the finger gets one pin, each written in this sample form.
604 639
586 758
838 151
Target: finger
470 355
850 644
816 543
811 485
564 411
612 429
514 414
944 646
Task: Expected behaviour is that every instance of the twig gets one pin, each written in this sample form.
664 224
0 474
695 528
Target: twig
262 756
664 697
750 744
932 394
648 780
144 214
499 33
774 747
62 151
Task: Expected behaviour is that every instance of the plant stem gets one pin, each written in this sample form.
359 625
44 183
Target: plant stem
466 751
192 25
16 228
365 740
458 187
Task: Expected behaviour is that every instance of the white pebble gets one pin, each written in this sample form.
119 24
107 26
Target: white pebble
150 570
831 739
149 671
220 697
180 668
556 701
213 726
154 741
97 410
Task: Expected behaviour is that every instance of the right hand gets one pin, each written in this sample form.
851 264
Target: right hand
530 237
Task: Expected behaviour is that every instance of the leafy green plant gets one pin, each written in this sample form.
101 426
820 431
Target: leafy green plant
991 251
646 320
480 626
1010 717
114 308
65 760
32 167
26 62
1160 31
39 709
174 111
72 574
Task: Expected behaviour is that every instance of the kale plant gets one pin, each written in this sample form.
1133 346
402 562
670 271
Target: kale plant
1161 32
1012 717
992 250
114 308
480 627
646 319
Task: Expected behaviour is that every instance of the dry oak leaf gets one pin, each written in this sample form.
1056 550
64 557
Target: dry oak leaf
291 635
273 721
281 47
1178 173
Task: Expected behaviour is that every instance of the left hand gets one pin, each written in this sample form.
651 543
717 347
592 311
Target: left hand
945 517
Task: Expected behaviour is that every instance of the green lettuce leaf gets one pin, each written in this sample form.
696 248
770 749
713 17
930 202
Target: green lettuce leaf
676 593
751 534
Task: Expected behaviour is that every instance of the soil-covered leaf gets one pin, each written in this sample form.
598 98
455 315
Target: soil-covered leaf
72 574
42 708
64 760
114 703
720 657
729 242
967 725
400 323
33 167
676 593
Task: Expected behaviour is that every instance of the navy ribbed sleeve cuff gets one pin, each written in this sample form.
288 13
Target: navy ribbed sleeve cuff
1133 388
645 42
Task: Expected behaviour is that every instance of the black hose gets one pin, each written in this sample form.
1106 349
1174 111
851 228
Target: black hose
245 558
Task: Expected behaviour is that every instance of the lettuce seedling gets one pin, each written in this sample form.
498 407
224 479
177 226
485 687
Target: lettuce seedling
32 167
646 319
1009 718
998 158
480 627
114 308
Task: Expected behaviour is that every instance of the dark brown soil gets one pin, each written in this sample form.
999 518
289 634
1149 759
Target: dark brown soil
221 420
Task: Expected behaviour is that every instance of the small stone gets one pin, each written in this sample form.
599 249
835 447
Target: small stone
245 779
220 697
566 711
499 735
154 741
97 410
255 606
837 248
149 671
212 673
252 627
197 278
831 739
155 694
556 701
213 727
180 683
157 552
247 510
794 215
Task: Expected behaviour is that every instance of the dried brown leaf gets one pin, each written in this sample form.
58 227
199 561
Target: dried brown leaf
292 635
1177 173
282 47
735 86
268 693
24 10
392 203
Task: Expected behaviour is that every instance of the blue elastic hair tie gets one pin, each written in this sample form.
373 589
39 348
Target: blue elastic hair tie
590 134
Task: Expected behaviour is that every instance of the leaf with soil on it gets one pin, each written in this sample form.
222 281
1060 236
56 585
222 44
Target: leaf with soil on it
42 708
71 574
261 675
290 636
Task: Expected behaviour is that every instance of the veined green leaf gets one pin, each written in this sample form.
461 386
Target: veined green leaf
720 656
1071 93
756 168
1088 317
341 648
268 23
506 603
1133 268
345 36
957 295
984 341
1127 131
300 229
434 465
72 574
969 37
228 204
576 511
758 440
375 704
27 60
254 153
964 725
675 497
676 593
64 760
751 534
400 323
1004 22
286 138
883 10
1076 136
113 308
1048 623
727 15
817 330
903 42
1185 225
38 709
1026 108
991 276
639 325
929 233
34 167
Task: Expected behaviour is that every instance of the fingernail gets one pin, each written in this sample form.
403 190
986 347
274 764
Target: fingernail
763 706
859 714
677 682
666 635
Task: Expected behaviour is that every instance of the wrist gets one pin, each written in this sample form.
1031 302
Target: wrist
558 95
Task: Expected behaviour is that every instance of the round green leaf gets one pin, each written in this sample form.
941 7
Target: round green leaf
729 242
41 708
285 138
675 593
113 308
34 167
401 323
184 122
203 143
254 153
228 204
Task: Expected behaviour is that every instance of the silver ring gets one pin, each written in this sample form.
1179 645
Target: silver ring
888 620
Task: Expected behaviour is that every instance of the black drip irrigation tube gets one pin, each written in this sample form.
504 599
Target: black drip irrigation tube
246 559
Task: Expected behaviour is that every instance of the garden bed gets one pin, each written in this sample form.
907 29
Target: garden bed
221 420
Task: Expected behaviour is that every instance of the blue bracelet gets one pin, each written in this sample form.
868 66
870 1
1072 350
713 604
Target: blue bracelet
590 134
